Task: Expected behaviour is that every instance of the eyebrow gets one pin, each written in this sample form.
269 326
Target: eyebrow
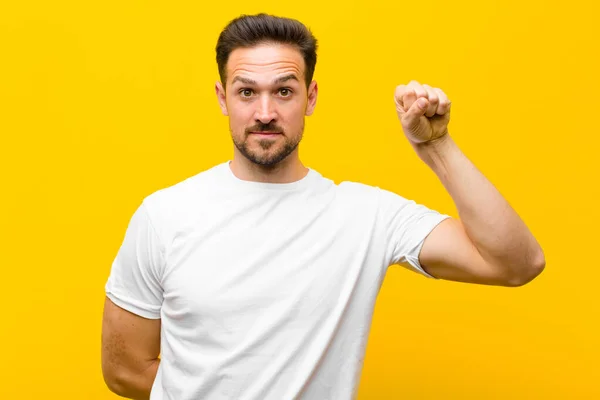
285 78
281 79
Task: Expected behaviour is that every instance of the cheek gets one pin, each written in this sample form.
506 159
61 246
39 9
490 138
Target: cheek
239 119
295 114
292 110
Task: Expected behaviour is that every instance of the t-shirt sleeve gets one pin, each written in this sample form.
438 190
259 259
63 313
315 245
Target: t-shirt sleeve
135 277
407 225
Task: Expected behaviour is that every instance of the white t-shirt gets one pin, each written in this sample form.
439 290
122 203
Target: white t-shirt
265 291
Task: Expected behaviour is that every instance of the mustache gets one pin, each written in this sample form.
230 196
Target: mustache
260 127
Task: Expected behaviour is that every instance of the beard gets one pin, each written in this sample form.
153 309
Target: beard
263 156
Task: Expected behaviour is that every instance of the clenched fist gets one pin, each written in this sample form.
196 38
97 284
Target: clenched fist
424 111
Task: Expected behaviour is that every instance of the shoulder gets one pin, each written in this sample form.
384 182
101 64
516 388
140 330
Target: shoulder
359 199
361 192
353 188
171 204
189 186
386 202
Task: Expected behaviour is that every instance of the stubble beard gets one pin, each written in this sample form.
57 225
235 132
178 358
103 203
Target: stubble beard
267 159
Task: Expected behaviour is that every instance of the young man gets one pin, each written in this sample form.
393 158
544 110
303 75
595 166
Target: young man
257 278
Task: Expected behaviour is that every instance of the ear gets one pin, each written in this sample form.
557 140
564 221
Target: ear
221 98
313 90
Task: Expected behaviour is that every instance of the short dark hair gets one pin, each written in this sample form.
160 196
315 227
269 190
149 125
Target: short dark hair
251 30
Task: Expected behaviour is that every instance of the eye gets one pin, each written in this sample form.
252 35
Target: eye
285 92
246 92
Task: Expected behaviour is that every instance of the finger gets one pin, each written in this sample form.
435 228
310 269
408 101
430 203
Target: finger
409 99
418 88
433 98
444 103
399 96
415 112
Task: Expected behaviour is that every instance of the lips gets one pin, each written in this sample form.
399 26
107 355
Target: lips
265 134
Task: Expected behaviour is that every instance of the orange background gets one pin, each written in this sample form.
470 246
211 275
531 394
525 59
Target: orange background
102 103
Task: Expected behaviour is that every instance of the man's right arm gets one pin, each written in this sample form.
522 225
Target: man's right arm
130 350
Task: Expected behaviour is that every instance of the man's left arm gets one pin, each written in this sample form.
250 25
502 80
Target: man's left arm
490 244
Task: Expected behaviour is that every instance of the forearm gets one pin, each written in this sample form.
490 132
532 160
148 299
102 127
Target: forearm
496 230
135 385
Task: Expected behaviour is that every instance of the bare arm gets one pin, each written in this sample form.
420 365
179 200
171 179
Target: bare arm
130 350
490 244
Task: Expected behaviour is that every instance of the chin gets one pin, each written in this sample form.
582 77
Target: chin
267 160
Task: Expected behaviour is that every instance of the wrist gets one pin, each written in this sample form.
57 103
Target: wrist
433 150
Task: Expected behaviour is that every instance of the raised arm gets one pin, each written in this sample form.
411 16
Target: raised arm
490 244
130 350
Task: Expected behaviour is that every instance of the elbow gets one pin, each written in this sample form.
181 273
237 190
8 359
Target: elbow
129 383
529 272
115 383
116 380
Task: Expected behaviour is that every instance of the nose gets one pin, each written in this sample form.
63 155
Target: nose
265 112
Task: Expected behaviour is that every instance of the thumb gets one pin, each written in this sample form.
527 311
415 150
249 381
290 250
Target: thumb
415 112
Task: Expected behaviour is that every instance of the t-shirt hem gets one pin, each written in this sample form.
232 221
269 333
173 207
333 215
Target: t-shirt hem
132 307
413 261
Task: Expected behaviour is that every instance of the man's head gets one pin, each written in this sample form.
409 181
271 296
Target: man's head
266 65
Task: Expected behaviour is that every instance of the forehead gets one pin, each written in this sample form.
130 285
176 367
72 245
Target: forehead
265 62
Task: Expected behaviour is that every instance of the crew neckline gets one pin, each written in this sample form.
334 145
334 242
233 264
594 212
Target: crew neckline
296 185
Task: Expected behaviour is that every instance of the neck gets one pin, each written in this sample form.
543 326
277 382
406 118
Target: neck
289 170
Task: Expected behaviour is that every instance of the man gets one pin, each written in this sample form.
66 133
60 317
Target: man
257 278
